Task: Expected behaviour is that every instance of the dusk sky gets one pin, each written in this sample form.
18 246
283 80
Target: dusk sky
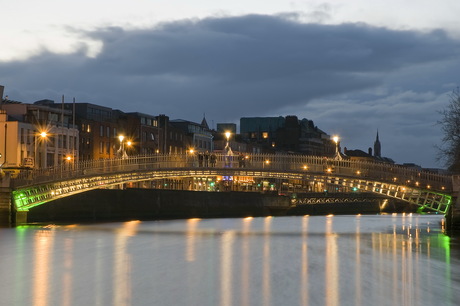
353 67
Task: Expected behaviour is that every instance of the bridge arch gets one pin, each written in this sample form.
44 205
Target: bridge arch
428 190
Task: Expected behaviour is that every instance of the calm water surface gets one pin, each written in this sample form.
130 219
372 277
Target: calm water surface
311 260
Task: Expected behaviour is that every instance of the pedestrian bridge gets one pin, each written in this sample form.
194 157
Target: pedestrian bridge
429 191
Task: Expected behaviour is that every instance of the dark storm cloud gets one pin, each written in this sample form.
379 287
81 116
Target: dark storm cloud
251 62
231 67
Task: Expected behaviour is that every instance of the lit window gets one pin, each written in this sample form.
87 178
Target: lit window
264 135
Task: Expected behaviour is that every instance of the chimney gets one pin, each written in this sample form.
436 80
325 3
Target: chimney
2 88
370 151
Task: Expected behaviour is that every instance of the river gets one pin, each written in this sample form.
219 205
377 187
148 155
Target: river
306 260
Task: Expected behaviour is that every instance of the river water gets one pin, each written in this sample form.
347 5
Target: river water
307 260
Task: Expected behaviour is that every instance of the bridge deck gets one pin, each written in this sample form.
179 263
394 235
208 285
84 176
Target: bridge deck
426 189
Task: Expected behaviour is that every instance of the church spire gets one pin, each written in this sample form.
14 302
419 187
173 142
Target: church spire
377 146
204 123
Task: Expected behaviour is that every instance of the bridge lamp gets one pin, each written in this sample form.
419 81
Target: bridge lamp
305 167
68 158
358 172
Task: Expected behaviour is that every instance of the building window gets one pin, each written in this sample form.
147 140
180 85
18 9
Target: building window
88 128
107 148
101 131
108 131
101 147
264 135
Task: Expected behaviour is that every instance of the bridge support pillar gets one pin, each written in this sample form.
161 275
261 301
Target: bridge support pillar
453 215
5 206
20 217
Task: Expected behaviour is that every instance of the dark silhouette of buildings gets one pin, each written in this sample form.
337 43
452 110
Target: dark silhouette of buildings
287 134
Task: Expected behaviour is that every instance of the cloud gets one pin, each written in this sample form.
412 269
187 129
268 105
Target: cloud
253 65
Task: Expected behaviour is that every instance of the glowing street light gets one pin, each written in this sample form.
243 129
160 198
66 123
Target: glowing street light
39 137
336 139
228 150
121 152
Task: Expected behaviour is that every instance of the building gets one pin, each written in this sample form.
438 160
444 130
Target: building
140 132
286 134
226 127
369 157
98 129
261 130
201 138
37 135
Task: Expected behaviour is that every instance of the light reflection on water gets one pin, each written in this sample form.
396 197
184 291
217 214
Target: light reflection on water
310 260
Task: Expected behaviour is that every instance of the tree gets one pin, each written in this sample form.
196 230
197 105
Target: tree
450 125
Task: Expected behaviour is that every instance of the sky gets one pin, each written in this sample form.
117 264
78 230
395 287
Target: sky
354 67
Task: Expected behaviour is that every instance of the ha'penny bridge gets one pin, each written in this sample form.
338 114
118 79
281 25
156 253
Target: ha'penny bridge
287 174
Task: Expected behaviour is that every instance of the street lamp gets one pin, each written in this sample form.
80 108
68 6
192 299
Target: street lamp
39 137
228 150
121 152
336 139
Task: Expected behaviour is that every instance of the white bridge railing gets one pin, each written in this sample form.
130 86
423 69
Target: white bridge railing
381 172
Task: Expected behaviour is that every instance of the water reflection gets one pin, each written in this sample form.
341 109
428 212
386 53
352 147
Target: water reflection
43 244
245 262
266 287
67 275
192 225
122 264
332 265
304 291
311 260
358 286
226 289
